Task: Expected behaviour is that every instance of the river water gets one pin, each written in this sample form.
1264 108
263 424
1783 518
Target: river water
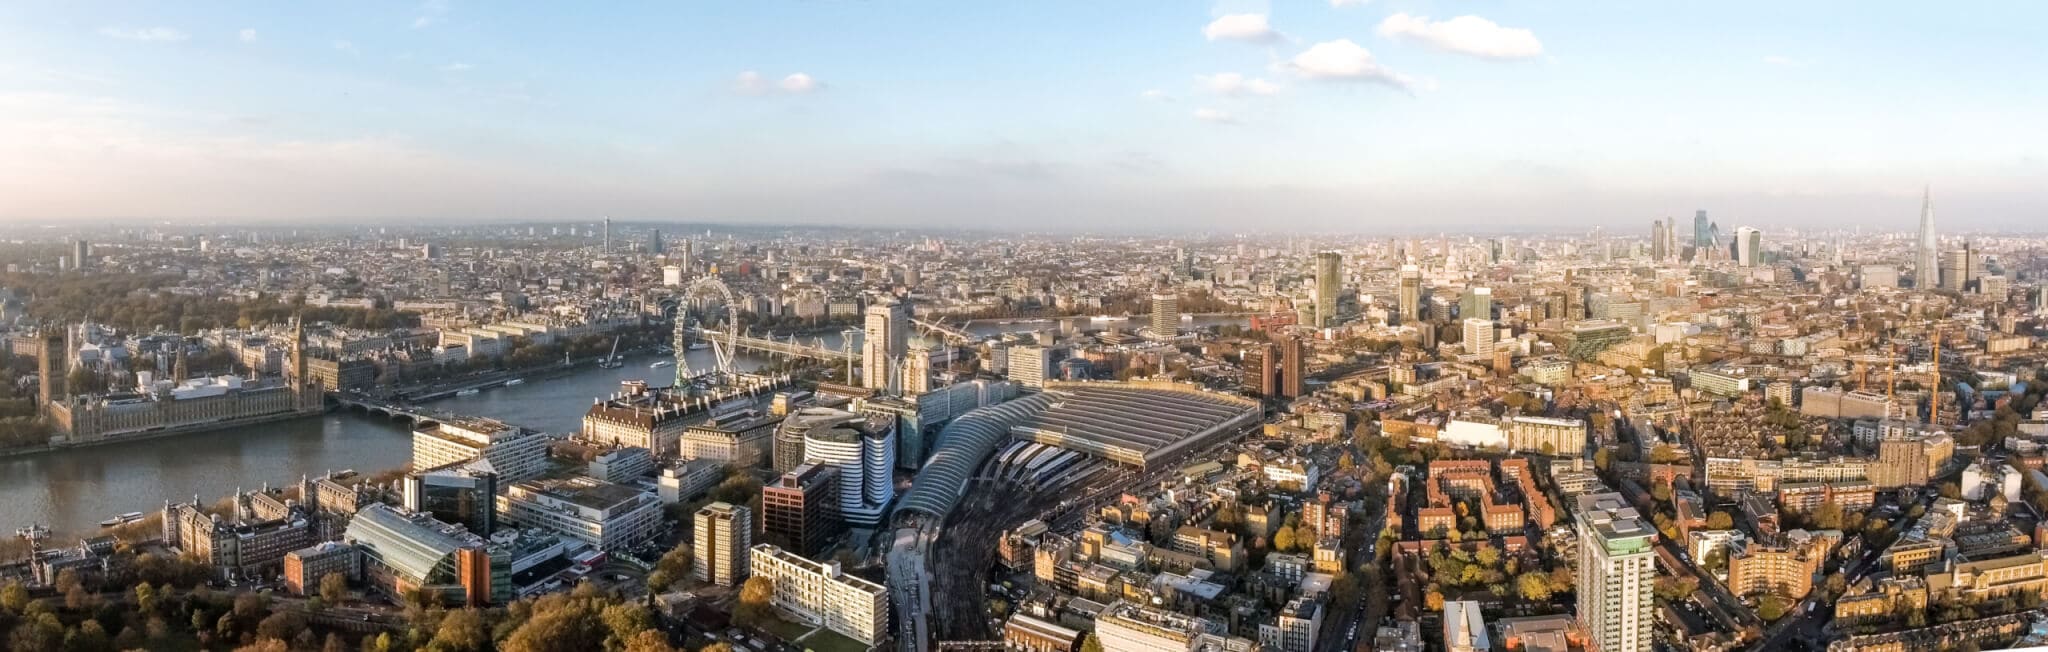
71 491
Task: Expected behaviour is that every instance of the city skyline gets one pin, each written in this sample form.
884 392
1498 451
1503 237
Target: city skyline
1291 116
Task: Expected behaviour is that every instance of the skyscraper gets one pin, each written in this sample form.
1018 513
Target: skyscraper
917 367
1476 304
81 254
607 235
1927 261
1329 282
887 338
1479 336
797 509
1617 567
1657 240
1411 293
1165 315
863 452
724 533
1293 366
1749 247
1702 238
1960 269
654 244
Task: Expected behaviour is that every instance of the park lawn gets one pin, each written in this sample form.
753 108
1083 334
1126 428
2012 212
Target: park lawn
826 640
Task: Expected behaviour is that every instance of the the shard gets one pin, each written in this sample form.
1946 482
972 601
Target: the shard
1927 261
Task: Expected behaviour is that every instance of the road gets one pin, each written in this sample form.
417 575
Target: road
1809 623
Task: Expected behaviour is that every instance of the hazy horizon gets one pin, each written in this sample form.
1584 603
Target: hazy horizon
1316 116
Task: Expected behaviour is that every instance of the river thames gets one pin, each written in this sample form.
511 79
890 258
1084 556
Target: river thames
71 491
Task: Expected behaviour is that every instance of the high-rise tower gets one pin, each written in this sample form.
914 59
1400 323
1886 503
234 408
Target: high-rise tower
1329 282
1657 240
1702 238
1166 314
1617 565
886 340
1927 259
1411 293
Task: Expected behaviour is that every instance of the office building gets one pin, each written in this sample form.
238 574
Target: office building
1960 269
607 516
1028 364
822 594
1477 303
1329 283
1749 247
1617 568
1410 308
1293 366
885 341
81 254
1702 238
863 452
463 493
1657 241
1165 315
1130 627
514 453
1479 336
304 568
917 365
800 510
724 534
1262 370
403 553
789 450
1879 276
687 479
1927 257
1294 628
245 544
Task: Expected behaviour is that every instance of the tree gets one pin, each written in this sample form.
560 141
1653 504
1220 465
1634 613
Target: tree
626 622
1601 459
1091 644
1533 586
461 631
333 588
145 598
334 644
281 626
559 624
1283 541
14 597
1720 521
649 641
723 646
1771 608
1434 600
755 598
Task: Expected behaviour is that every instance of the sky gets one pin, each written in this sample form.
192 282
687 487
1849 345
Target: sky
1142 115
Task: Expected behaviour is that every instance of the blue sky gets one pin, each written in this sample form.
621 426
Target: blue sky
1384 115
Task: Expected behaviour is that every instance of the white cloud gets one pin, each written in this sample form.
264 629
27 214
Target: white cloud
1348 3
1343 60
1233 84
798 82
430 13
1240 27
1465 35
750 82
1215 116
247 35
345 46
457 67
164 34
1156 95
